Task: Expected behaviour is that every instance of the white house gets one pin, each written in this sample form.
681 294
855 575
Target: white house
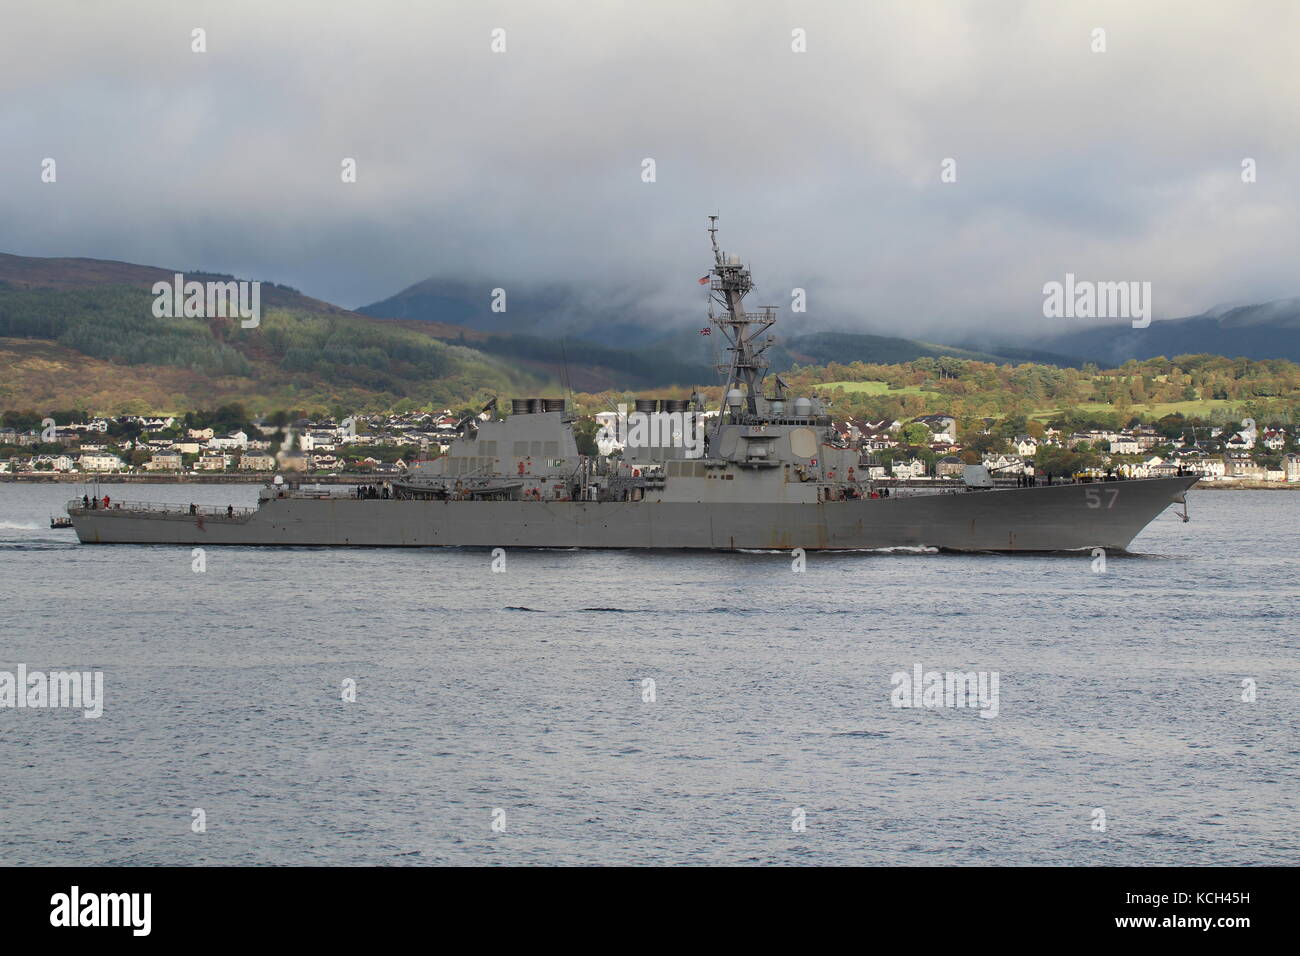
237 439
56 462
1208 466
1125 444
318 441
1291 467
1139 469
1006 465
1025 445
100 461
1243 440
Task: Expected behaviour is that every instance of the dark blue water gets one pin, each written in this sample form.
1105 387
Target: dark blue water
522 692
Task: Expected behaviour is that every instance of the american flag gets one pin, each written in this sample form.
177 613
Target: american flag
704 280
706 331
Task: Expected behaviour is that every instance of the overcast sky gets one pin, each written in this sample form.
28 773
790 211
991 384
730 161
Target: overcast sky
527 165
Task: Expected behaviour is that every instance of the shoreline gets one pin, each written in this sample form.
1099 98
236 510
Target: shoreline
164 478
345 478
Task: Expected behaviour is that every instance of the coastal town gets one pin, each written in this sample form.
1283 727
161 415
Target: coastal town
926 448
1245 454
168 446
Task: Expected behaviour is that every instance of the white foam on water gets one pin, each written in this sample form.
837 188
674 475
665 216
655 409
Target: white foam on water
898 549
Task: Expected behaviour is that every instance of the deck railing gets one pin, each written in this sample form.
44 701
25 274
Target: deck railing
163 509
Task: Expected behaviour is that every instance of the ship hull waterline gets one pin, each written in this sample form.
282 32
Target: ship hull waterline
1045 518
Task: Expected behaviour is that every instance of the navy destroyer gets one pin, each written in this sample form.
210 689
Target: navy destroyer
765 470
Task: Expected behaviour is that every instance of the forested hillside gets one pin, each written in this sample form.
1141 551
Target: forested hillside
294 355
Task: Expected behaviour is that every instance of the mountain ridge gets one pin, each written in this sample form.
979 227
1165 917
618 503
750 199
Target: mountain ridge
1263 330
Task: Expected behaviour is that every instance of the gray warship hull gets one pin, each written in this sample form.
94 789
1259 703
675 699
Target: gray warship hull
771 470
1045 518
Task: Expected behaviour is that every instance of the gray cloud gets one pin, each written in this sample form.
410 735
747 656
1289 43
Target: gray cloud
525 166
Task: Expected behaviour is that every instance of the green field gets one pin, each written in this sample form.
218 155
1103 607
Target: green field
879 388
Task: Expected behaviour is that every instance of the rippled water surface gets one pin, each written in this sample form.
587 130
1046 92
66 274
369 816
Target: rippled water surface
522 692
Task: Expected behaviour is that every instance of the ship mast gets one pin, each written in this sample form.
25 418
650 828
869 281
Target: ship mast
730 284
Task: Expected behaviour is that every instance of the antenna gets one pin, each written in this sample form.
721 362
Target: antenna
747 367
